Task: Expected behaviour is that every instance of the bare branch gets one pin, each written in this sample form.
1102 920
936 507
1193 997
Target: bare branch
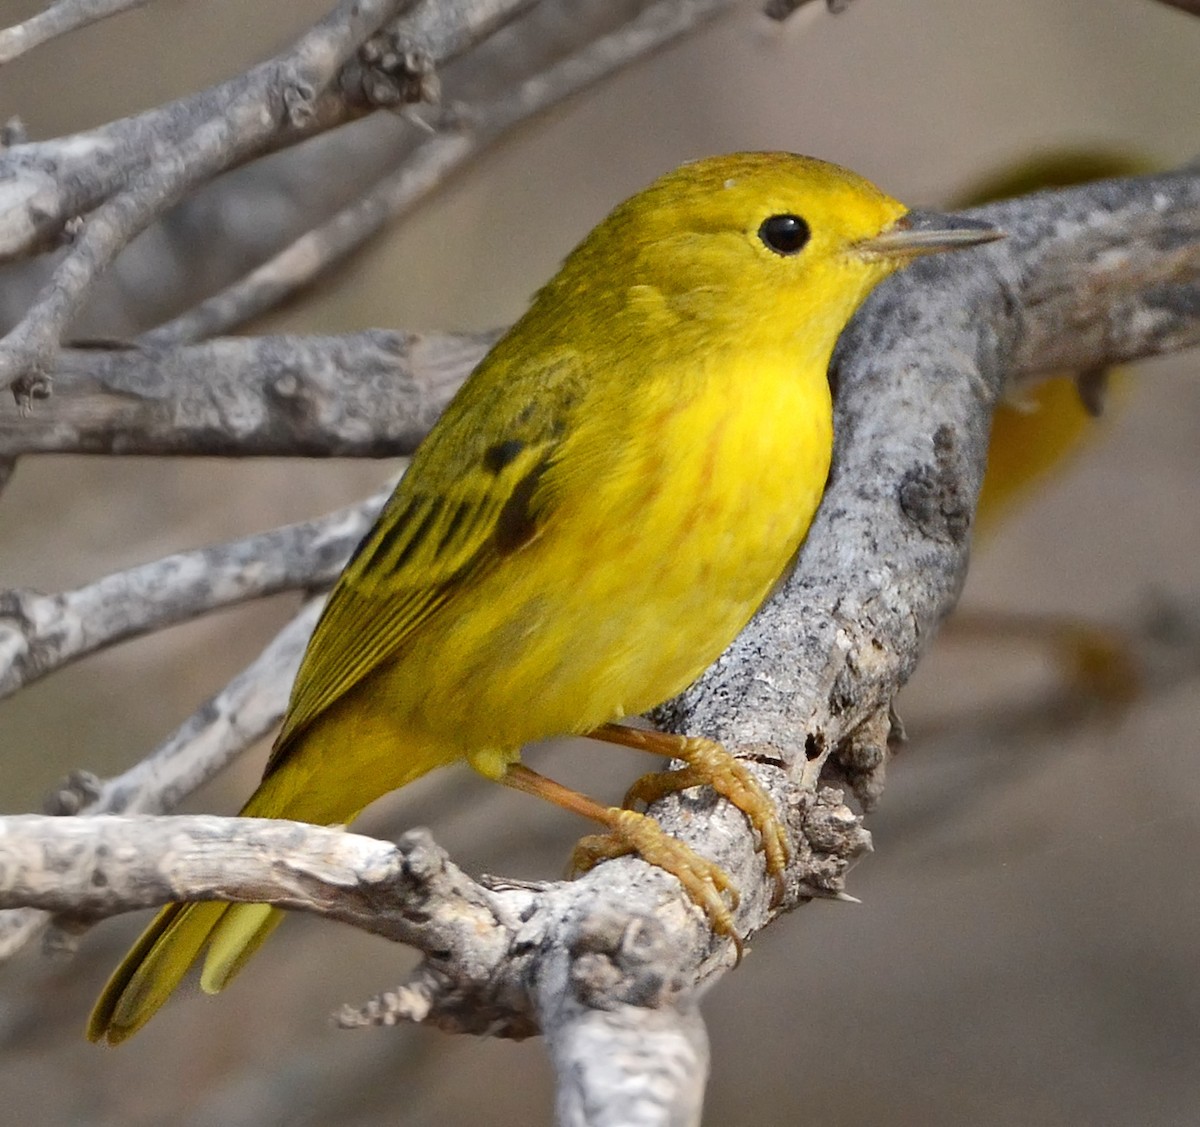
368 394
807 687
55 20
45 185
283 90
41 633
472 130
71 865
300 92
220 730
568 959
917 374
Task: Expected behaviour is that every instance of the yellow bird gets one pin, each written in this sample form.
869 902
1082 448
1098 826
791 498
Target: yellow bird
600 510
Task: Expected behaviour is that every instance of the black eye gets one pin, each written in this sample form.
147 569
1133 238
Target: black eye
784 234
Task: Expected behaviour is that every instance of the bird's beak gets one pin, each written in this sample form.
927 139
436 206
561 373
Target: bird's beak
917 233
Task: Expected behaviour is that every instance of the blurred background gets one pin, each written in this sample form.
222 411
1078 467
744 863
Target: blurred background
1025 952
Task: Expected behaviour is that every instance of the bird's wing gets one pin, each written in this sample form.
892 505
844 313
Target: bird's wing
470 498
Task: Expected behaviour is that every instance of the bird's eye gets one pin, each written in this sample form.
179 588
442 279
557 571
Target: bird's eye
784 234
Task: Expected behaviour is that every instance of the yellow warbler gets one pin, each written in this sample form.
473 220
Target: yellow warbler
599 511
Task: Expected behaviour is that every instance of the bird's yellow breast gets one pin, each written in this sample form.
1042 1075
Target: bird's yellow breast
658 553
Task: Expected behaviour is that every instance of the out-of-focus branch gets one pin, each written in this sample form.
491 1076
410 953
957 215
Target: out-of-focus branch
284 90
41 633
472 130
55 20
1190 6
309 88
44 185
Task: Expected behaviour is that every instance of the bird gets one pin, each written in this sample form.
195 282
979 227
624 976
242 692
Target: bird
601 508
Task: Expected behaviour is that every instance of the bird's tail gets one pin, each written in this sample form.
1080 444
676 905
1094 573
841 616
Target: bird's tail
162 955
232 933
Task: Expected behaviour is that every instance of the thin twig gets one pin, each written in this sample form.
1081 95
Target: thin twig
45 185
285 90
55 20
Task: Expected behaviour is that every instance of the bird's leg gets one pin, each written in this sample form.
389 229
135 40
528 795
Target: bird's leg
705 762
705 883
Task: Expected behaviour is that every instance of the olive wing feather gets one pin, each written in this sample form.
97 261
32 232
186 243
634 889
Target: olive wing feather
470 498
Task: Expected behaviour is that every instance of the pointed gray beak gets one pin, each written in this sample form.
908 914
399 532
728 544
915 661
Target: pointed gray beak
918 233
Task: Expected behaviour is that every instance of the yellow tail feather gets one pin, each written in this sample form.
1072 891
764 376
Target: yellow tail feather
152 970
232 933
238 934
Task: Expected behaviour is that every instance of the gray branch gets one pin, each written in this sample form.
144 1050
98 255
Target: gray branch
45 185
216 733
55 20
375 393
1090 276
281 92
471 130
368 394
312 87
41 633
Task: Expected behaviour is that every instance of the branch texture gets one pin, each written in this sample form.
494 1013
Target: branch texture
369 394
41 633
1090 300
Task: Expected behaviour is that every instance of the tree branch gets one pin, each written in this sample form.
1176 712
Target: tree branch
41 633
305 90
804 692
375 393
219 731
917 373
285 90
55 20
310 89
471 130
370 394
